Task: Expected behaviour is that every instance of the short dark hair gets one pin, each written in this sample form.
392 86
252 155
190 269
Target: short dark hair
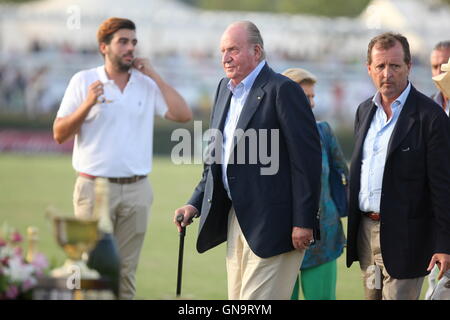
443 45
110 26
386 41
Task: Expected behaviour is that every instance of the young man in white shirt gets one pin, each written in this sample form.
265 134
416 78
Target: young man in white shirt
110 111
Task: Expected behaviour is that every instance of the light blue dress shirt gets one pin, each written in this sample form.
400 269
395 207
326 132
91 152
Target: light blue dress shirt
240 94
375 150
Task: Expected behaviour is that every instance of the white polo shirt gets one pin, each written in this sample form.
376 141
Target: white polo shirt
116 138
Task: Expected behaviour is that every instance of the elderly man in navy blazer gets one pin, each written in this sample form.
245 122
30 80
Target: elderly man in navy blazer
399 207
267 218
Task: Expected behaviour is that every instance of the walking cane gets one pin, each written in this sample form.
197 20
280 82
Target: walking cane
180 218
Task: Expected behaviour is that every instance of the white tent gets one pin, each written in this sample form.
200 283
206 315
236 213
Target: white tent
184 41
165 26
424 23
171 26
76 22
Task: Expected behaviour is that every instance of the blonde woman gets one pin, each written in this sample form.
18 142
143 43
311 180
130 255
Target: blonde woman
318 272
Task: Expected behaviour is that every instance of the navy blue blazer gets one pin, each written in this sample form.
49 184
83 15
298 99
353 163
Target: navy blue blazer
267 206
415 199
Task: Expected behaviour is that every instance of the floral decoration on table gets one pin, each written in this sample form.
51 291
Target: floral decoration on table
19 270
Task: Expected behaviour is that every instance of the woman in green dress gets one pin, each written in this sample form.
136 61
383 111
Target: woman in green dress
318 272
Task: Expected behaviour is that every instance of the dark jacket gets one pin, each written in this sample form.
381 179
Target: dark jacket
267 206
415 198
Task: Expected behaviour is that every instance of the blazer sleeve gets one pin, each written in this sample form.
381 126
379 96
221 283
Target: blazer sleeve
196 199
299 130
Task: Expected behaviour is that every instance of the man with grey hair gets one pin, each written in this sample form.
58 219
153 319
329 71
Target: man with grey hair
268 220
439 56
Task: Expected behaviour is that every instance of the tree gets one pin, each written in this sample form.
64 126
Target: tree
315 7
14 1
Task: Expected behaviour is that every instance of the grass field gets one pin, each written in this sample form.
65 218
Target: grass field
30 183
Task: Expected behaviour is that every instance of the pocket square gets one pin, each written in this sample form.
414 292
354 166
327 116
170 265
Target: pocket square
405 149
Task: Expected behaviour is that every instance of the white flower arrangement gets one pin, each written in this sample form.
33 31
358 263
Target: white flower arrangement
17 276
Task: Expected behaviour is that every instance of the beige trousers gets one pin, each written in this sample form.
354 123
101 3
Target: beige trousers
129 211
378 284
253 278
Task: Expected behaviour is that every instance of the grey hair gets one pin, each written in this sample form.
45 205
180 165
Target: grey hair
254 36
443 45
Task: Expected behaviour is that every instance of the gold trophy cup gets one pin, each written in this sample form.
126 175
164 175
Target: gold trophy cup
76 237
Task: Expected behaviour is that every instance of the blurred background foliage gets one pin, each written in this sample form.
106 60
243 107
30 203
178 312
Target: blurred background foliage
335 8
163 129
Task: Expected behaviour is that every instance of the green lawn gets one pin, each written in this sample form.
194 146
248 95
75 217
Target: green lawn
30 183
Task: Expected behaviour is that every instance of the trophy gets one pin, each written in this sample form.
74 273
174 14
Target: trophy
77 238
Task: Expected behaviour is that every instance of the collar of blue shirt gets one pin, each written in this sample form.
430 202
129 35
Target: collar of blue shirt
247 83
400 101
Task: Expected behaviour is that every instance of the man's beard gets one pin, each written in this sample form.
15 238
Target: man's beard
119 64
